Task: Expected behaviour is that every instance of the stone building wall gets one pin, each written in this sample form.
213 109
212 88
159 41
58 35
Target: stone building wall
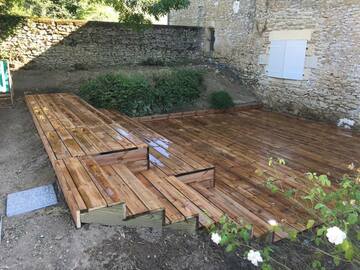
331 85
63 44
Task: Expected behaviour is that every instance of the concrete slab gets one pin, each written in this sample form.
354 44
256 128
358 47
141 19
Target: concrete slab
30 200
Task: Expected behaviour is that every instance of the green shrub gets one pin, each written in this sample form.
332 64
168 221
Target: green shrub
138 95
128 94
221 100
177 87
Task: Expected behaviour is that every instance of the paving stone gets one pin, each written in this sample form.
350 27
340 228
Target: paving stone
30 200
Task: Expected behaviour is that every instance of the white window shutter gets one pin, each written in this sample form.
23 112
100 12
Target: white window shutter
294 59
276 59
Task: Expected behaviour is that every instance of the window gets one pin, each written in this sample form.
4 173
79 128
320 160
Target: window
287 59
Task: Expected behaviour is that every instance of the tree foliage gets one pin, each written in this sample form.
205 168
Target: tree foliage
132 11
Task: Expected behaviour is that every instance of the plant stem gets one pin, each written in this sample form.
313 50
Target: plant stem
327 253
330 255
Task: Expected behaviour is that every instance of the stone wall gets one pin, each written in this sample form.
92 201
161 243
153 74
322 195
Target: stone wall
331 86
62 44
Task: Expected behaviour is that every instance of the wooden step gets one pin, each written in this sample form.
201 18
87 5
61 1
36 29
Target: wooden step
106 195
177 200
187 200
170 158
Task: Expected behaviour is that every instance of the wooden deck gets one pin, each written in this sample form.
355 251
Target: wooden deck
183 173
109 175
238 144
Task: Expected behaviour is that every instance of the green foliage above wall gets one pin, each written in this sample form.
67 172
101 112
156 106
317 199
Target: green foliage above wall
122 10
8 26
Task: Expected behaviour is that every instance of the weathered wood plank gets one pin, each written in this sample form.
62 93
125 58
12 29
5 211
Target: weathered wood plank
89 192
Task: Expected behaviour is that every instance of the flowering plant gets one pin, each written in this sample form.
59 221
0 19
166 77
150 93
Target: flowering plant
333 206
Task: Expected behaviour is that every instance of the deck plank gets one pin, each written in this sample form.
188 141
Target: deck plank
89 192
148 198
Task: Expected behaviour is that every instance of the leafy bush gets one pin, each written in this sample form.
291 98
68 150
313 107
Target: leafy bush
138 95
221 100
129 94
334 204
176 88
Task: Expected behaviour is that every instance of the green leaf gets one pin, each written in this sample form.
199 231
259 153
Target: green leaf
266 253
223 219
290 193
336 260
324 180
352 218
224 239
316 264
292 235
321 231
319 206
348 250
266 266
231 247
245 235
310 224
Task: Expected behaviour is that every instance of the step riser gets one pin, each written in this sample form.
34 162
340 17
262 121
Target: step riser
114 216
205 178
136 160
190 225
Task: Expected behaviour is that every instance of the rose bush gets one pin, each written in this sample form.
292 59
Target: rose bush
335 232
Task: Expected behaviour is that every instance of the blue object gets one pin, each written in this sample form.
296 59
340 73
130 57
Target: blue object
30 200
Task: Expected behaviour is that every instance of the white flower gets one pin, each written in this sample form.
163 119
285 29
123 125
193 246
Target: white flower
352 202
254 257
273 222
335 235
216 238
